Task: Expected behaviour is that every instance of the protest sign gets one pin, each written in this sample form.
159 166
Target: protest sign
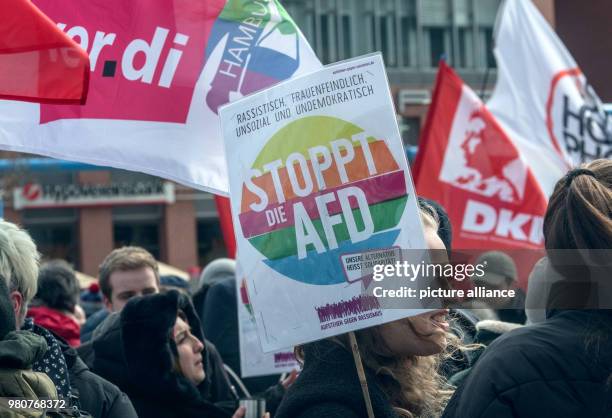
159 72
253 361
472 167
318 176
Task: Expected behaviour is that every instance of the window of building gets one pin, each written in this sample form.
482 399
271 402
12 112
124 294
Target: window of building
464 53
435 18
138 225
409 33
489 58
484 19
324 43
145 235
210 241
56 241
55 233
410 129
408 41
345 41
438 47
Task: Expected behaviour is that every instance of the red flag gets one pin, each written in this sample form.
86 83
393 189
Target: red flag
468 164
227 228
38 62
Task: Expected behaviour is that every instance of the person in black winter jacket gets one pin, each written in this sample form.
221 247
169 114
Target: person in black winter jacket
543 370
87 391
561 367
142 352
132 271
18 351
19 269
94 394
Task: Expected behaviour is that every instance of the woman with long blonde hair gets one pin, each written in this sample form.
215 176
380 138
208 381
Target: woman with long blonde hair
401 361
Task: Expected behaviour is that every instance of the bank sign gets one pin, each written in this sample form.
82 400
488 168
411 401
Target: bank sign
37 196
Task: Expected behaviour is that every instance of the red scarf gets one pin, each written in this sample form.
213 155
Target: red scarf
61 324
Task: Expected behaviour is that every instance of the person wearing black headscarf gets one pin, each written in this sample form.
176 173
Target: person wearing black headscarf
140 352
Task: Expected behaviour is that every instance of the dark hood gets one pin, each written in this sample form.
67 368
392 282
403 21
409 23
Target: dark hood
109 359
136 349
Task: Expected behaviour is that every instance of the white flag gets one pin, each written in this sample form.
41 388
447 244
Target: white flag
159 72
542 99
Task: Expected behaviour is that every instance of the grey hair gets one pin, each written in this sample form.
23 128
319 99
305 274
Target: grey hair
19 261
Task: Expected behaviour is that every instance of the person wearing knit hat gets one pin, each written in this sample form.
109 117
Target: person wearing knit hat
500 274
499 270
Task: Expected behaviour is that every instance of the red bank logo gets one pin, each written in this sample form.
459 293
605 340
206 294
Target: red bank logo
141 68
31 191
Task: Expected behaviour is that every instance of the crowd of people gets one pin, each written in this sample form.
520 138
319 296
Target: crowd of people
160 348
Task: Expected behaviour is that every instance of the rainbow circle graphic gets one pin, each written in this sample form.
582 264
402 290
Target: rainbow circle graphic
325 179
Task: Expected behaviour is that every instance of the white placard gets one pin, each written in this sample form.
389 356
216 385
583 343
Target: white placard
253 361
318 171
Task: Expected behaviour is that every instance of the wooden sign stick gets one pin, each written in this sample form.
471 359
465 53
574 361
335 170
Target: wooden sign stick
361 374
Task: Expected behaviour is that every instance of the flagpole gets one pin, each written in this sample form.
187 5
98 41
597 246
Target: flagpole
361 374
224 210
484 83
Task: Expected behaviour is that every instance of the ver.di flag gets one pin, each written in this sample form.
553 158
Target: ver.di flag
159 72
542 99
39 63
468 164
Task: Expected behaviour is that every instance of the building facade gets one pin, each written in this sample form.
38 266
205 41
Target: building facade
82 215
413 35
